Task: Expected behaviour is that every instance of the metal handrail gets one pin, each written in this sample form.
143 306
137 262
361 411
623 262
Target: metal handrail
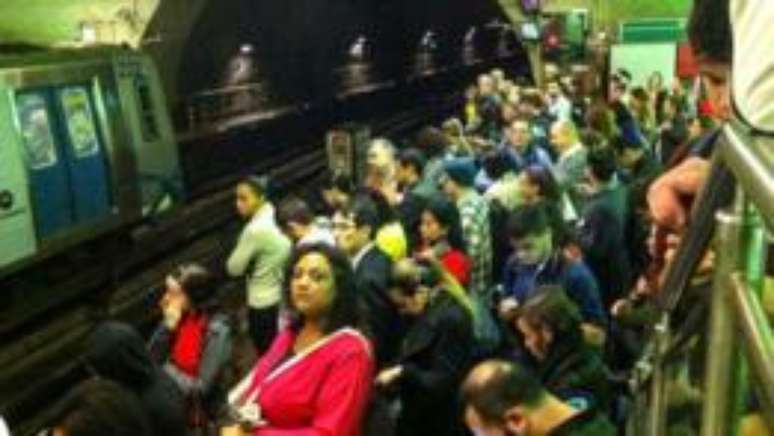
751 159
744 162
758 340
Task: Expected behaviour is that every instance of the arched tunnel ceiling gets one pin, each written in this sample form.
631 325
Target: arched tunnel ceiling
165 28
59 22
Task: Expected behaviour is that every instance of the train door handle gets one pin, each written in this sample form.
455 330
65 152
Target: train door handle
6 200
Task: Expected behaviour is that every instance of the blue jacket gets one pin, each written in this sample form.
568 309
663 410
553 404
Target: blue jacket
520 282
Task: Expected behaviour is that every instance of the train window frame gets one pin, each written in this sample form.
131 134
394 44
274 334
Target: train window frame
86 109
23 114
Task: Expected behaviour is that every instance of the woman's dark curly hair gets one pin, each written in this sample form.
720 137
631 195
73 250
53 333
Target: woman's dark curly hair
447 215
344 310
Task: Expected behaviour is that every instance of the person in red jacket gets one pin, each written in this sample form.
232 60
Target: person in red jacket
441 238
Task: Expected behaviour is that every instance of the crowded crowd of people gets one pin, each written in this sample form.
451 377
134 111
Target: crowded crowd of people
491 276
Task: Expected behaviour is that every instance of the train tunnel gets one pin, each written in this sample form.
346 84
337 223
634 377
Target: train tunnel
386 218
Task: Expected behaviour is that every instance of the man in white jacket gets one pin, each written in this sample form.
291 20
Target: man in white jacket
260 256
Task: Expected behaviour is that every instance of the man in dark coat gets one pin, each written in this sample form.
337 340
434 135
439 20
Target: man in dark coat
118 353
502 398
354 227
435 353
550 325
602 232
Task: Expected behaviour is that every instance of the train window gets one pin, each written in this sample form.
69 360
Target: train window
35 127
149 127
80 121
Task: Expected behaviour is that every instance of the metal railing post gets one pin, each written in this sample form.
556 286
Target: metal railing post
657 408
723 358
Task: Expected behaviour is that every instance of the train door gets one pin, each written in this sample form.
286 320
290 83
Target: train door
17 232
51 198
82 145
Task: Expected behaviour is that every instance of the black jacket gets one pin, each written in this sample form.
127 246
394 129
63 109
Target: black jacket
117 352
435 355
602 238
372 278
575 373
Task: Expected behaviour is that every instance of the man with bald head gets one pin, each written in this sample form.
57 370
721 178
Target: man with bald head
503 399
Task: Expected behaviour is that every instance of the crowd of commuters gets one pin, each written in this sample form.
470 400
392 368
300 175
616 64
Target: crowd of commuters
491 276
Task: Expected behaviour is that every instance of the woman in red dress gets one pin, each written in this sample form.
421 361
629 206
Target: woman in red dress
316 377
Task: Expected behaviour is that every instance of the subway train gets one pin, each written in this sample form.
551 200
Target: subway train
87 146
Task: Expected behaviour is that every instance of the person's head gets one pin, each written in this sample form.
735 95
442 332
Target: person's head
547 317
536 183
519 134
619 84
655 81
336 190
629 152
99 407
531 103
672 106
601 119
592 139
453 129
530 234
411 163
432 142
601 165
553 89
380 162
459 175
709 32
564 135
410 285
471 93
320 287
440 222
190 287
639 100
486 85
294 216
251 194
116 351
381 152
508 112
496 164
355 224
501 398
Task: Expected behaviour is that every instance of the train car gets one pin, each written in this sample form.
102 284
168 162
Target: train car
86 146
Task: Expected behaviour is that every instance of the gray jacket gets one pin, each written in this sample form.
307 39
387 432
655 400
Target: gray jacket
216 354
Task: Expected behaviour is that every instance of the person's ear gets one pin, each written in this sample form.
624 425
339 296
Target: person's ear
515 422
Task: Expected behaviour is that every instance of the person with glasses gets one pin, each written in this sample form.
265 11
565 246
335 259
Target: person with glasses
355 227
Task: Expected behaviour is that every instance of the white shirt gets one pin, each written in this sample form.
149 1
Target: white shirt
4 428
753 82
